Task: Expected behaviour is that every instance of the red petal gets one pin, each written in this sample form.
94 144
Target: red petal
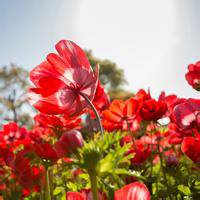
74 196
133 191
110 116
45 69
73 54
191 147
57 62
131 107
117 107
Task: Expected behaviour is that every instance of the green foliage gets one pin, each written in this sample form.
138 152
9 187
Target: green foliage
185 190
107 159
119 94
111 75
13 100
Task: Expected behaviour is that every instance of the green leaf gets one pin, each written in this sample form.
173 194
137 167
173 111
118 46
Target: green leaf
134 173
63 197
184 189
84 176
106 165
58 190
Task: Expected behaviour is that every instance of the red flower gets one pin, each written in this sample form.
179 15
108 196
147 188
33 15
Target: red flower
85 194
27 175
57 123
176 135
41 146
139 149
74 196
133 191
187 115
193 76
142 95
101 100
122 115
191 147
12 133
171 101
153 110
48 121
6 154
61 80
69 142
45 151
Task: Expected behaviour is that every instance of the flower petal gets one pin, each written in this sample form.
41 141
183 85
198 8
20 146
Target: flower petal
73 54
133 191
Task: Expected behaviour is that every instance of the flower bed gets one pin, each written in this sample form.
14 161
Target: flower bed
140 148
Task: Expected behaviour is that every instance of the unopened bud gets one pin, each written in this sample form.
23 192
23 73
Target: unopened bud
69 142
171 161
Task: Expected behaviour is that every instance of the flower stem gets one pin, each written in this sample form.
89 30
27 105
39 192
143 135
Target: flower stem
161 161
93 181
94 110
47 187
162 166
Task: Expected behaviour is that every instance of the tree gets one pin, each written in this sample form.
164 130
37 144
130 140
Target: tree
13 100
111 76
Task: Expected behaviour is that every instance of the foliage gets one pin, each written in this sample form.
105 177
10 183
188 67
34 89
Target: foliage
13 101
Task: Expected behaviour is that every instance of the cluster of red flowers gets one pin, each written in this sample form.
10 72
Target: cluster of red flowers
65 88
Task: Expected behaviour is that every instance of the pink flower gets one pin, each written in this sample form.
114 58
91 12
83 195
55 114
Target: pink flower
187 114
193 75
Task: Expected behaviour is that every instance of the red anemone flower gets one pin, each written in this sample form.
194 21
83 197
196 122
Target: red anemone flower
142 95
122 115
133 191
85 194
101 100
139 149
191 147
26 174
153 110
187 115
193 75
176 135
74 196
12 132
171 101
45 150
62 80
60 123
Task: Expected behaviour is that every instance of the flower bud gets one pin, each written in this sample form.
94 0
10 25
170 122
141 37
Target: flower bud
69 142
171 161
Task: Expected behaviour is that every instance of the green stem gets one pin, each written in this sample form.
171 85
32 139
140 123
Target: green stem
162 166
93 181
161 162
47 187
94 110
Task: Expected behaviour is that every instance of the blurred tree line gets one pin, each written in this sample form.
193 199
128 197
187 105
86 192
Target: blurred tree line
14 82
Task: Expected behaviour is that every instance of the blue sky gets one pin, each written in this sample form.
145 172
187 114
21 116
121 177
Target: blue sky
153 41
